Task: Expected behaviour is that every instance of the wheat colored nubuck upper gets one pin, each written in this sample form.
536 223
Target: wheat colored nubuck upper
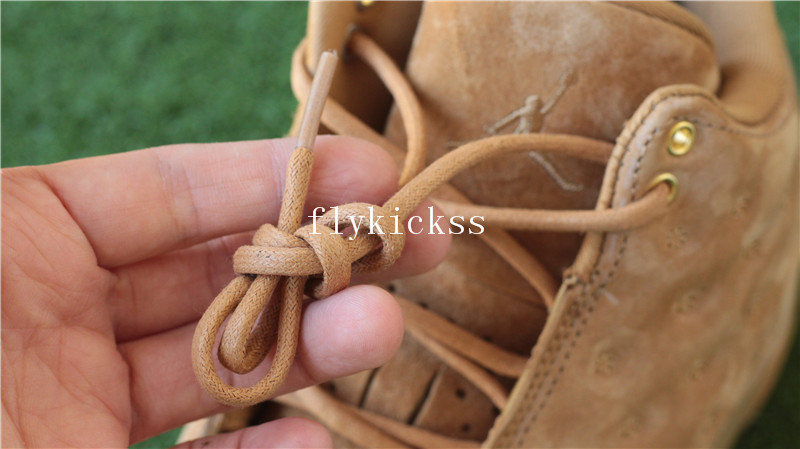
636 164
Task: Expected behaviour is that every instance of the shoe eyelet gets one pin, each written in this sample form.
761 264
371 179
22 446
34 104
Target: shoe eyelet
672 182
364 4
681 138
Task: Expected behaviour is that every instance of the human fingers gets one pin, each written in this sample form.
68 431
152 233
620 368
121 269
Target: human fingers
281 433
174 289
133 206
356 329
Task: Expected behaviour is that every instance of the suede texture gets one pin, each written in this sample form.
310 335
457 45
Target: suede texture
595 63
660 335
231 113
671 335
391 24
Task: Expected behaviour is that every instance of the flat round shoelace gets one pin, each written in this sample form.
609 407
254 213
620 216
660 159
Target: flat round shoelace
263 304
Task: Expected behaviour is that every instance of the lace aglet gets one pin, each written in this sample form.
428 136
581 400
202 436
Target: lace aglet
298 173
312 114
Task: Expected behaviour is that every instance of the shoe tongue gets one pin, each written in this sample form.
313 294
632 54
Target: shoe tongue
482 69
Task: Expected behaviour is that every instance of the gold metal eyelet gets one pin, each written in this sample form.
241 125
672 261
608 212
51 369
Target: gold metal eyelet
672 182
681 138
364 4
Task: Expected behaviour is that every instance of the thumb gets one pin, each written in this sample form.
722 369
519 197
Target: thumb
281 433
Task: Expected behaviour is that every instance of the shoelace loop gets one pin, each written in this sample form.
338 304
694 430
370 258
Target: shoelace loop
317 249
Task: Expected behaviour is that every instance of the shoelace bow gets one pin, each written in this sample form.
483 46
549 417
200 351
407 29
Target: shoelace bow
263 303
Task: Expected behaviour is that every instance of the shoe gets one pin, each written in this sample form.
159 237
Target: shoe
592 312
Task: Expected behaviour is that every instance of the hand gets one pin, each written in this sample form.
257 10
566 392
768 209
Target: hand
108 263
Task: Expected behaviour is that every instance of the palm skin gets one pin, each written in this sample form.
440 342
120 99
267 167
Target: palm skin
108 262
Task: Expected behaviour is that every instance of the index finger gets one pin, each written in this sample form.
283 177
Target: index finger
136 205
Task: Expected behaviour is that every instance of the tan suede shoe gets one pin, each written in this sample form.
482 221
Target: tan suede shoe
607 327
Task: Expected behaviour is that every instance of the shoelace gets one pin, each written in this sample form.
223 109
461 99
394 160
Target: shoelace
274 270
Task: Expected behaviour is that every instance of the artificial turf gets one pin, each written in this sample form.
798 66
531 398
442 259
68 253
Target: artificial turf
83 79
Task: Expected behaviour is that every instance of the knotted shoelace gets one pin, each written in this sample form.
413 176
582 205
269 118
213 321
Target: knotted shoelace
263 303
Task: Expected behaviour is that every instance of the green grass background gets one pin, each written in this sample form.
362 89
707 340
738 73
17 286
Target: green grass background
85 79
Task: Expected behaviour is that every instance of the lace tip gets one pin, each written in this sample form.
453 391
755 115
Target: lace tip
315 103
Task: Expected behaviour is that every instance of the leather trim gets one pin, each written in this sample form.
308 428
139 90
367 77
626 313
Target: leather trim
588 277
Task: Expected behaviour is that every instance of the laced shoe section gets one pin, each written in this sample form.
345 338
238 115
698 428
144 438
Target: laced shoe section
263 302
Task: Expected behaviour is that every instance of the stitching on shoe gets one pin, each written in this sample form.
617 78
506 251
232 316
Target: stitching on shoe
586 300
582 301
778 126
